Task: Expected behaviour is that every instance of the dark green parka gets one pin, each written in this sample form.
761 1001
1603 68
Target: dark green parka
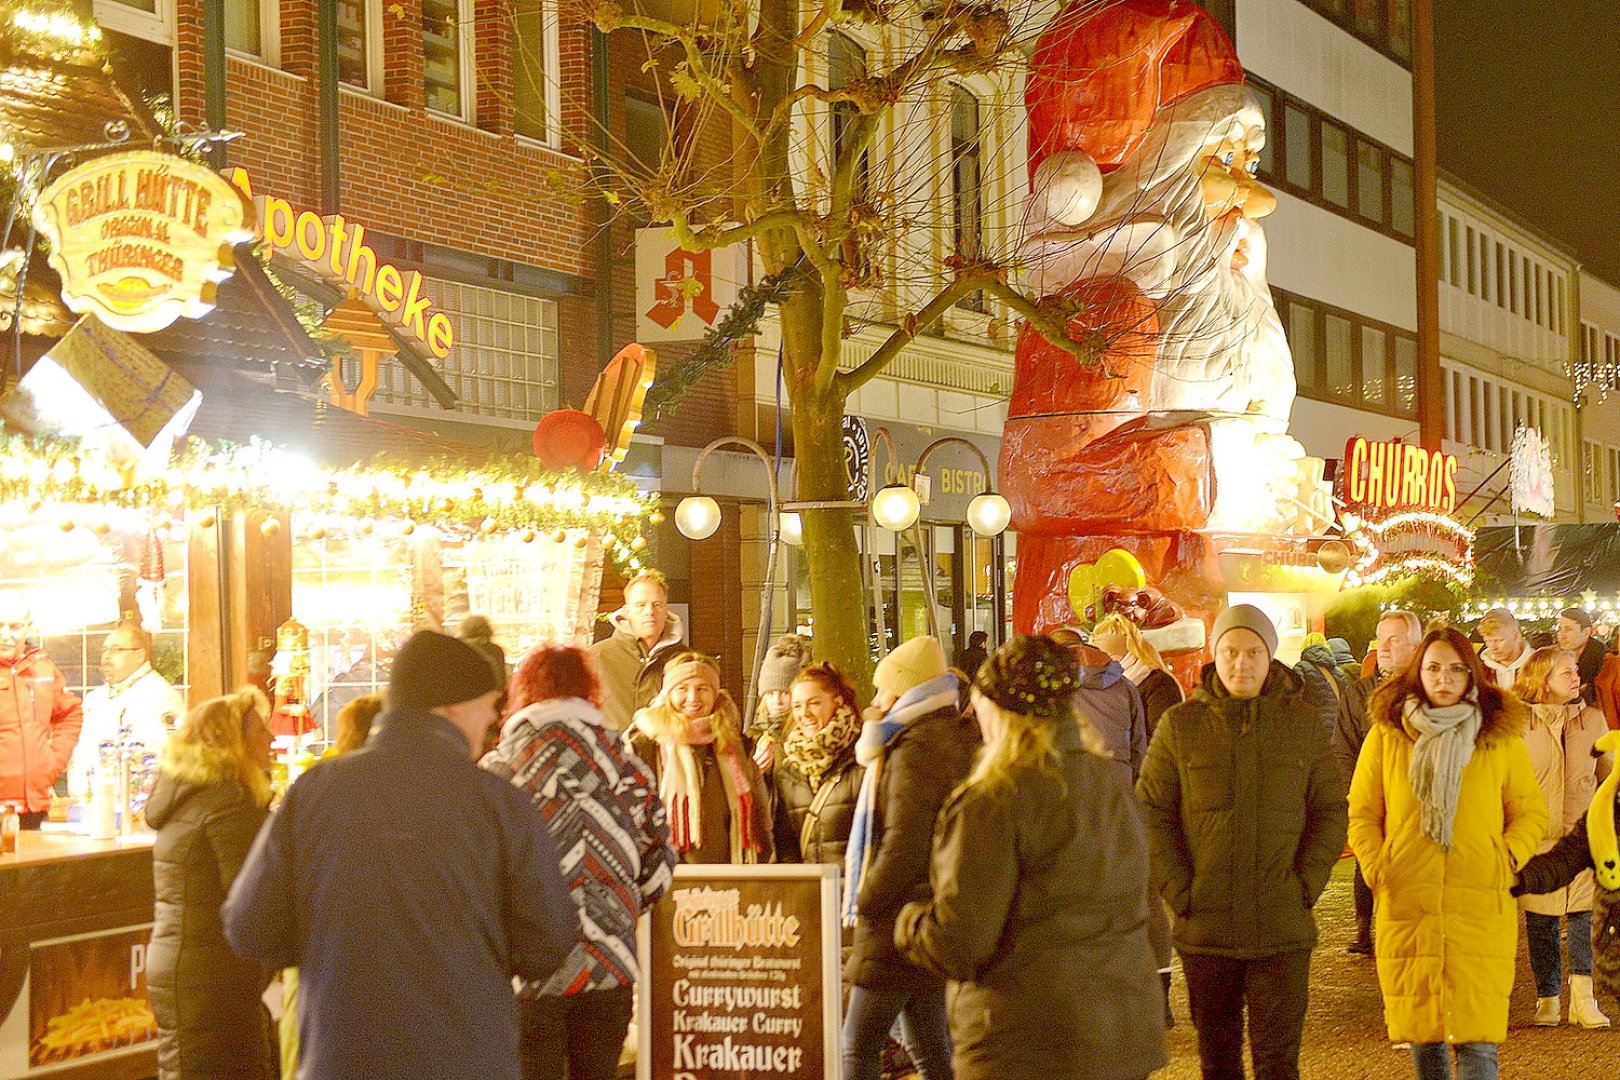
1246 816
1039 917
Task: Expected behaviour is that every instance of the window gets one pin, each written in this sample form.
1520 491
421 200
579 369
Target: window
1386 25
1614 474
444 56
967 182
1402 212
1335 164
536 92
1324 162
359 45
646 132
1473 263
505 363
1501 277
1297 148
250 28
1454 247
1346 358
1591 472
846 62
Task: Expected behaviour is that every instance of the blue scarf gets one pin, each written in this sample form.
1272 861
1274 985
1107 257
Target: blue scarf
937 693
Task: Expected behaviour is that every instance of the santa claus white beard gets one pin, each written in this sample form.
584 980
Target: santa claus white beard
1222 348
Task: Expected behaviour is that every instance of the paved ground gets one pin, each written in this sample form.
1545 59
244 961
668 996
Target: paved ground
1344 1031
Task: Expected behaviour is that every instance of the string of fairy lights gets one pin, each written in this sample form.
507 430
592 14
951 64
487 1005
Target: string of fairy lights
1372 564
59 480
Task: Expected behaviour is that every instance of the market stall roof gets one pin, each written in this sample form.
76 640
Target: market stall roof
1547 560
46 103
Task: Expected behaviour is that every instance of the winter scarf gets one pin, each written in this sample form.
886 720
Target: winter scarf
1445 743
940 692
680 784
815 752
1135 670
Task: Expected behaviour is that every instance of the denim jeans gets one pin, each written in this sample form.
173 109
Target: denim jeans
1475 1061
1364 903
1272 989
924 1032
578 1037
1546 954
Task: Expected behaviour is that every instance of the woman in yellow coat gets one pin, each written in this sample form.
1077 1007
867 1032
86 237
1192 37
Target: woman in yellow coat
1444 809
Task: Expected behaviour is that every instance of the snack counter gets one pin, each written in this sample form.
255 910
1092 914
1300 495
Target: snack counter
75 917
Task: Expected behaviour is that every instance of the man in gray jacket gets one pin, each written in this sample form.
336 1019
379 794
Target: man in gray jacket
1396 642
631 662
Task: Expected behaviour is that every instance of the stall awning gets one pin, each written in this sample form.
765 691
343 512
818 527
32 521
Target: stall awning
1547 561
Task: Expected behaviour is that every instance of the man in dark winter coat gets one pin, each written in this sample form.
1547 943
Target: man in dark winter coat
1395 643
1577 637
1246 816
646 634
409 886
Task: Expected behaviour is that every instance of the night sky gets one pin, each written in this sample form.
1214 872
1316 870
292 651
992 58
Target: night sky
1527 101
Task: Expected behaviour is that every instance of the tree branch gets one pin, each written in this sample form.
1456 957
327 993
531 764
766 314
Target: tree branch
609 17
911 326
1054 328
708 239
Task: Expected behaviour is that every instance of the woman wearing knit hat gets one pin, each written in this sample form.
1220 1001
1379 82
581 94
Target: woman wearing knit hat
788 656
1040 888
916 746
691 740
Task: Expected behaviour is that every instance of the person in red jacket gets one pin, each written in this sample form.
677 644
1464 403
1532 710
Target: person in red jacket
39 718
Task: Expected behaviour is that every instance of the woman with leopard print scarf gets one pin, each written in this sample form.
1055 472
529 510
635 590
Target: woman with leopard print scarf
817 778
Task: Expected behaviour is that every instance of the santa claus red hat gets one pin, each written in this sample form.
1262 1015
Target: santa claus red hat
1098 76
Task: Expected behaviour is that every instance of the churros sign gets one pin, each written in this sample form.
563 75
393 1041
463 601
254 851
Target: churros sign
142 238
336 249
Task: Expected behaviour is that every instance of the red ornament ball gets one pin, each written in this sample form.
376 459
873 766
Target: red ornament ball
569 439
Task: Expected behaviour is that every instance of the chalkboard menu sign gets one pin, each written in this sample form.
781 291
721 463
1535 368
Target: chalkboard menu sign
740 975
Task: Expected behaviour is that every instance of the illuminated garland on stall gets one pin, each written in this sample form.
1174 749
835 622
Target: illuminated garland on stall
1366 537
515 495
1536 608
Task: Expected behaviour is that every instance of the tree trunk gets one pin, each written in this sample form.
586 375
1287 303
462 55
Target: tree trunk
836 595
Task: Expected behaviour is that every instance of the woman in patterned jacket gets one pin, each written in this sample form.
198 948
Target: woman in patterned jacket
609 829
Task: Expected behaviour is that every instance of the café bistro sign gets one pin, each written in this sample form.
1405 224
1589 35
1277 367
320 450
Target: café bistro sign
1393 476
142 238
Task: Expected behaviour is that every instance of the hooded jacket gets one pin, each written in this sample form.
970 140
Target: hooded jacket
1505 675
144 703
211 1023
408 886
39 727
1562 755
1446 931
631 674
1322 682
1246 817
1110 707
1039 917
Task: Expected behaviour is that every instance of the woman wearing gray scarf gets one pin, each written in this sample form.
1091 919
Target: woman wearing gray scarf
1444 808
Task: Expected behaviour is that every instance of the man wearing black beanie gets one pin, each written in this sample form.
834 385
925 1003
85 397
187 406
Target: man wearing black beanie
409 886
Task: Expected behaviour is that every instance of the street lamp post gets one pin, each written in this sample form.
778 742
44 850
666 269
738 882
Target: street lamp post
698 516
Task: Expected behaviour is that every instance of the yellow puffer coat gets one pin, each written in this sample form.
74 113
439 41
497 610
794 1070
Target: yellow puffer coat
1447 928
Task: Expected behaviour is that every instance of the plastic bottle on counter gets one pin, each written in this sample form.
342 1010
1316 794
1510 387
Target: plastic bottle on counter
10 825
104 806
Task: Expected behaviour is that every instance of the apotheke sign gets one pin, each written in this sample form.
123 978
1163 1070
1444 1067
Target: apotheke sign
142 238
336 249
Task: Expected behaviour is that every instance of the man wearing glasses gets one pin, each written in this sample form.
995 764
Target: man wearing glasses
39 717
135 705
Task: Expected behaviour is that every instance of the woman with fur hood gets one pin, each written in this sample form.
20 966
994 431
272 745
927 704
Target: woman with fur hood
1561 735
209 802
1444 806
691 740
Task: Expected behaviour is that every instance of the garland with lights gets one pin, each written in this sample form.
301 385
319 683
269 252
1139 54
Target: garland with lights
1373 564
513 495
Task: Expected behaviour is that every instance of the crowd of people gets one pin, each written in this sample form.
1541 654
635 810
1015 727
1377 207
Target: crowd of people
455 890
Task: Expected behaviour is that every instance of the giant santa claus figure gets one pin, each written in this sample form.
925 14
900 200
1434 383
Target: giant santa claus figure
1144 215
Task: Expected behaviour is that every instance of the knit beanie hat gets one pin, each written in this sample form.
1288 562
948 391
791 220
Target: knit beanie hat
912 663
789 656
1245 617
1033 676
433 669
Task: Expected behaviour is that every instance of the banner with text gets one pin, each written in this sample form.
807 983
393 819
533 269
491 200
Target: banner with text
740 975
